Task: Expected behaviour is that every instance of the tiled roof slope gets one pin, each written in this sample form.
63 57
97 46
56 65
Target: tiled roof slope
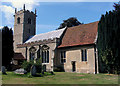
18 56
80 35
45 36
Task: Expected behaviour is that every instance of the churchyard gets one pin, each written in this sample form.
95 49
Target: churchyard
60 78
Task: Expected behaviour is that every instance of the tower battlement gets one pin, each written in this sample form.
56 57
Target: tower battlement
24 26
24 10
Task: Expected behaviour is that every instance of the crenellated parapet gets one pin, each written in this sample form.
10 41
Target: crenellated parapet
24 11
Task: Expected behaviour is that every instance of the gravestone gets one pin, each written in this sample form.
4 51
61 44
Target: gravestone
20 71
33 70
3 70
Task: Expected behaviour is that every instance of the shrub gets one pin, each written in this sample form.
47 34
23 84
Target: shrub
27 65
38 65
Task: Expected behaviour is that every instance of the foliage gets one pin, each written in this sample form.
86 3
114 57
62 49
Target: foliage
109 40
117 6
7 46
38 65
27 65
69 23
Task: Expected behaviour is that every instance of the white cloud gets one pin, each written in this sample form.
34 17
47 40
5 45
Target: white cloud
8 10
19 4
1 27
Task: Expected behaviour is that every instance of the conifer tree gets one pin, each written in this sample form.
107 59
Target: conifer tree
7 46
109 40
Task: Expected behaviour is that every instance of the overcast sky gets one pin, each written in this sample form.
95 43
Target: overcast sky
50 14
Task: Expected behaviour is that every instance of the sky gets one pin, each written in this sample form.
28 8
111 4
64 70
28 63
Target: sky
50 14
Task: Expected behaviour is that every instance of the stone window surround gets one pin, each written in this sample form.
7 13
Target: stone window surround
18 20
83 54
42 48
29 21
46 57
64 57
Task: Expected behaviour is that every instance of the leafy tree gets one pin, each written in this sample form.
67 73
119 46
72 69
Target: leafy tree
7 46
109 40
69 23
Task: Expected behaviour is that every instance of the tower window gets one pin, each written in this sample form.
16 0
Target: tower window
29 21
29 30
18 20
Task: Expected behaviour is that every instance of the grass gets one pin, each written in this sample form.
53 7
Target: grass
60 78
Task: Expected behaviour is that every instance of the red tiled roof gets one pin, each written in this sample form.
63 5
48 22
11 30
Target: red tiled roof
18 56
80 35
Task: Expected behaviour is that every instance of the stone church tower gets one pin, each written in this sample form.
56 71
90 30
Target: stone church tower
24 26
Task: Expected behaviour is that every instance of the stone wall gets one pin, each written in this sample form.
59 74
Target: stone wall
74 54
52 47
23 30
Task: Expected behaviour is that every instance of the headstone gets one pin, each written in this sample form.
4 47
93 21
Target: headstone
3 70
33 70
20 71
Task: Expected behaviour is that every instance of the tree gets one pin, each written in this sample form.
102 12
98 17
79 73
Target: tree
7 46
69 23
109 40
117 6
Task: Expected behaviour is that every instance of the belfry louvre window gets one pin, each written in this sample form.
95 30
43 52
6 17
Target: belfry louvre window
18 20
63 56
45 56
29 21
84 54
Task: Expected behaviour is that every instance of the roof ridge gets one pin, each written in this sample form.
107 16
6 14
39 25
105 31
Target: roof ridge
49 32
84 24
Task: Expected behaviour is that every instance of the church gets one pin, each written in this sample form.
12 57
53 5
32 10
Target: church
72 49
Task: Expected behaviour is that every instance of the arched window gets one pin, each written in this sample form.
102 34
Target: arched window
29 21
45 54
32 53
18 20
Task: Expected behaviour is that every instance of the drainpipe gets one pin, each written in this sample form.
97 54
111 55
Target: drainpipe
96 59
26 53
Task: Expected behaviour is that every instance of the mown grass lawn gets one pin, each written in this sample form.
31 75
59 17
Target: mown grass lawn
61 78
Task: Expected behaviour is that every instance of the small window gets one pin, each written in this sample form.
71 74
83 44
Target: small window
18 20
29 21
63 56
84 55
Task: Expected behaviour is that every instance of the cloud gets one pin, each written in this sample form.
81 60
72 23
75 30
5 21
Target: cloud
1 27
19 4
8 10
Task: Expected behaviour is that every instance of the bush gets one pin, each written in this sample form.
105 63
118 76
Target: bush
27 65
38 65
